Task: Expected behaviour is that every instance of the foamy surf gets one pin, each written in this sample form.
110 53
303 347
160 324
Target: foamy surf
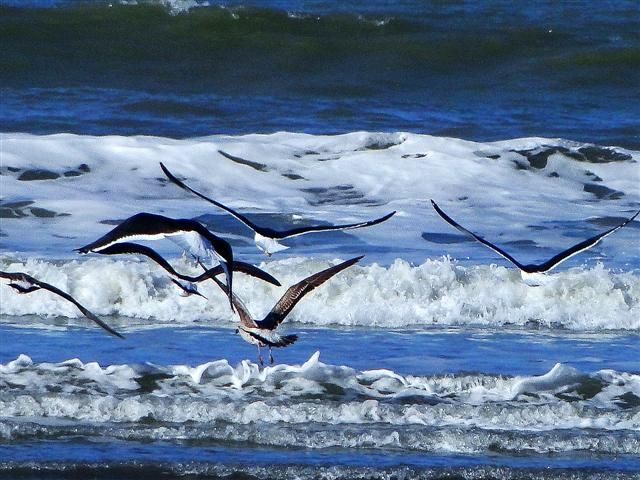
80 186
322 406
438 292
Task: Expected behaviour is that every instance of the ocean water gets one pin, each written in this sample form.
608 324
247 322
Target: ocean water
183 68
430 358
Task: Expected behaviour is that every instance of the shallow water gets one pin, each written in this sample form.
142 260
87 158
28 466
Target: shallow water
422 408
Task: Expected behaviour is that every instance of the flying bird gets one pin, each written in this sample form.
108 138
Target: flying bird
268 239
188 288
23 283
263 332
532 269
189 234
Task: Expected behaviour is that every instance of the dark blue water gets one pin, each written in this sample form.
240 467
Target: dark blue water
474 70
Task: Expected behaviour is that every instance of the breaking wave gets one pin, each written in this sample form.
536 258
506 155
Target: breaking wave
438 292
322 406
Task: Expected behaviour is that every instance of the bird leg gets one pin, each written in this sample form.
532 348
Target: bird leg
270 356
260 360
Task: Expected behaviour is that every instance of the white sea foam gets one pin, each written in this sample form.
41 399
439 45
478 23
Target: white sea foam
343 178
322 406
437 292
404 280
173 6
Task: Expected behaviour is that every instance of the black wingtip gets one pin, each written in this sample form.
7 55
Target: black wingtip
91 316
289 339
351 261
440 212
112 331
186 290
386 217
256 272
104 326
168 173
172 178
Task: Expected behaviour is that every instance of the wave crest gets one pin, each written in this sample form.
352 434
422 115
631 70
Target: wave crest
322 406
437 292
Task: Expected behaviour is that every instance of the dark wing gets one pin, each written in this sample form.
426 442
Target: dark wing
243 313
294 232
237 215
268 232
490 245
23 277
13 276
148 226
17 277
21 282
273 341
22 289
580 247
142 226
135 248
241 267
295 293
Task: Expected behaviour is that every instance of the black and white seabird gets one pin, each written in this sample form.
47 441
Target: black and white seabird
267 239
188 288
189 234
23 283
531 270
262 332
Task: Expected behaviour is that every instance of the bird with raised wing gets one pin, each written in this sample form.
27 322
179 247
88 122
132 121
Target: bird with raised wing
268 239
532 270
263 332
189 234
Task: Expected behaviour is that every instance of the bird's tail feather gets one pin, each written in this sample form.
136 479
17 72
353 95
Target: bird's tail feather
286 340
